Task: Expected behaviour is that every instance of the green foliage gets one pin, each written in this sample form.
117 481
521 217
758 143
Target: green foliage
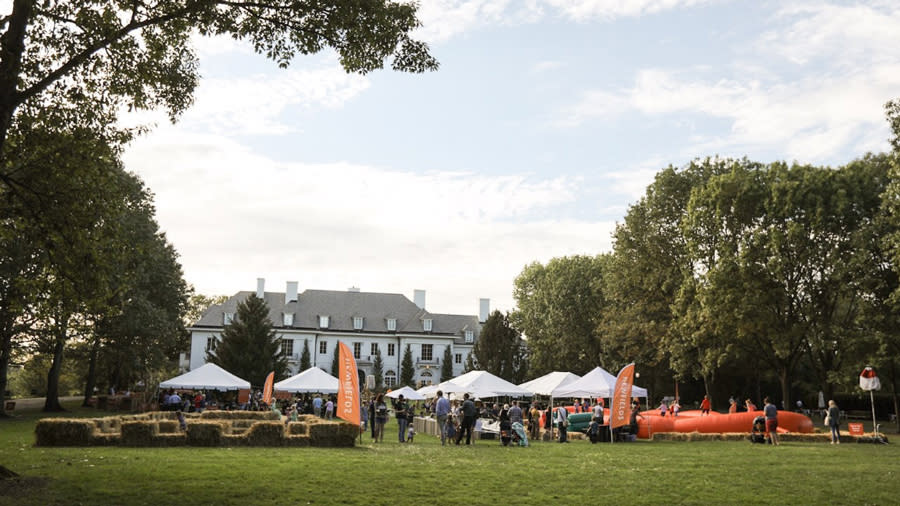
500 349
305 362
446 365
336 360
249 347
407 372
378 370
558 309
470 363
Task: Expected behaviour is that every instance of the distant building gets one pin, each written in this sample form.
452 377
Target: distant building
362 320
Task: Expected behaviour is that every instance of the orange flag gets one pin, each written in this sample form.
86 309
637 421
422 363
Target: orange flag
348 386
620 412
267 389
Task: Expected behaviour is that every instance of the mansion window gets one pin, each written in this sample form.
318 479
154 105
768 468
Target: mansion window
392 324
373 349
323 348
470 336
457 359
288 319
323 322
425 378
357 323
357 350
390 349
390 379
287 347
426 324
427 350
210 344
227 318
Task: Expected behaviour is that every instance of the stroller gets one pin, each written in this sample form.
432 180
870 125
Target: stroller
518 434
593 431
505 432
758 430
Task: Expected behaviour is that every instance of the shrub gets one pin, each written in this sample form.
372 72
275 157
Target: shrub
266 434
139 433
205 433
64 432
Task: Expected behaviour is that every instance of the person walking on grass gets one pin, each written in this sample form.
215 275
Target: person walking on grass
441 412
400 410
381 417
834 422
771 413
468 422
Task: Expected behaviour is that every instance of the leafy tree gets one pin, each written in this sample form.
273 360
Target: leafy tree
407 372
249 347
198 304
378 370
558 308
446 365
305 362
500 349
84 59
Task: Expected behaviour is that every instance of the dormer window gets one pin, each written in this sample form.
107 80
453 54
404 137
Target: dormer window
357 323
288 319
470 336
392 324
227 318
323 322
426 324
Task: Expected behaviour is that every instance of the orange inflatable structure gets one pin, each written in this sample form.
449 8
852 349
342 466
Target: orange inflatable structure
692 421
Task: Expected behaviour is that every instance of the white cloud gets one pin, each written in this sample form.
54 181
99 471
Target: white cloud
589 10
235 215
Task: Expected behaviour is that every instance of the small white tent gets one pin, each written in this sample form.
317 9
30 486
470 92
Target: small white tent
407 393
310 380
207 377
597 383
485 384
548 382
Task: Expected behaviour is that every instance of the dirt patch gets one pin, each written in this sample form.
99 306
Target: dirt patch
13 484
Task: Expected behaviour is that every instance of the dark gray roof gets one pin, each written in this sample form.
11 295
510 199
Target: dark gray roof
342 307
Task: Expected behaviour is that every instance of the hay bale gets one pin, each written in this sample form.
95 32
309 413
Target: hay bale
64 432
307 418
204 433
297 441
166 440
139 433
239 415
298 429
234 440
168 426
333 434
266 434
105 438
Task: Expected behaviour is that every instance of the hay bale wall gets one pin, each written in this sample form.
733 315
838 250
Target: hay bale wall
333 434
139 433
265 434
202 433
64 432
239 415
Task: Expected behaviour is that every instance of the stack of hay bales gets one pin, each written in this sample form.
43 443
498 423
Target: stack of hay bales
64 432
333 434
297 434
139 433
205 433
265 434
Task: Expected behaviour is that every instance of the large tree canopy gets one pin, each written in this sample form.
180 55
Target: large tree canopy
81 61
500 349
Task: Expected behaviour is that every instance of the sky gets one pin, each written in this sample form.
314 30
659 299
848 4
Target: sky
546 121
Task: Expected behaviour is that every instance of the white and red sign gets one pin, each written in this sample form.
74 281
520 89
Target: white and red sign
868 380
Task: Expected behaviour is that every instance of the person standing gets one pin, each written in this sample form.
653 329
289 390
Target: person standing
597 415
834 422
733 407
317 405
515 413
371 409
381 416
750 406
771 413
704 406
468 422
534 421
400 411
329 409
663 408
562 423
441 412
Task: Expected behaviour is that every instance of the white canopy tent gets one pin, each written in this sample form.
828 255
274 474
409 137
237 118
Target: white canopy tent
548 382
407 393
597 383
485 384
310 380
207 377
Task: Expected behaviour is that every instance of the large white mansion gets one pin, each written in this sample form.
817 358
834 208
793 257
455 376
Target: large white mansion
366 322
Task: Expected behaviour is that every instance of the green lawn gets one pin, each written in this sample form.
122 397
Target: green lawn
426 473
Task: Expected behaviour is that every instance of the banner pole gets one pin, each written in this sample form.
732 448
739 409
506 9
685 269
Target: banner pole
872 401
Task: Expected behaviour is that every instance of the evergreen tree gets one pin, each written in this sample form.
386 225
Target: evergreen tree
336 360
406 368
249 347
500 349
304 357
447 365
378 367
470 364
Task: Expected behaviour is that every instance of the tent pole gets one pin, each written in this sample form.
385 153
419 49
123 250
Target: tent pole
872 401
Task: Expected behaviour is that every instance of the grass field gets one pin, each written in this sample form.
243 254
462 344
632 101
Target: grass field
426 473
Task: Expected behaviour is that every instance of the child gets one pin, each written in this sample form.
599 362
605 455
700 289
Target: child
410 433
182 424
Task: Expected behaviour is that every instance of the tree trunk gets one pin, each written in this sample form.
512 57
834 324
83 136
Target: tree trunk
91 381
5 355
12 46
51 404
784 377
